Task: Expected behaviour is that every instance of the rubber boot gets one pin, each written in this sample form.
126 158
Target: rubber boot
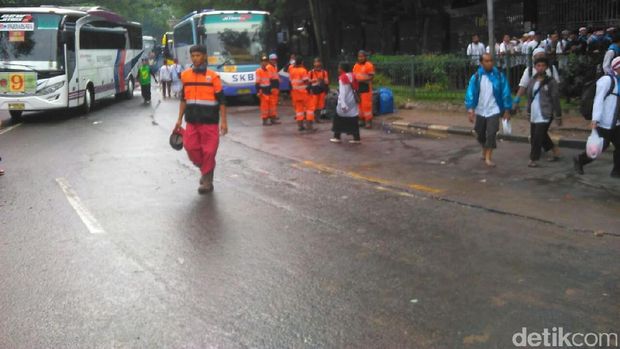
300 126
274 120
206 183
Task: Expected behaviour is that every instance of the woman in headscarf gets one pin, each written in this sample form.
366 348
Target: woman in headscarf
347 109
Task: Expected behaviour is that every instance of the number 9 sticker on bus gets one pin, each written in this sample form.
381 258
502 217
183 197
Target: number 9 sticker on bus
21 82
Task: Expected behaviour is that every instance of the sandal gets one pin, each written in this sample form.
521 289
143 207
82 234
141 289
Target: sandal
1 172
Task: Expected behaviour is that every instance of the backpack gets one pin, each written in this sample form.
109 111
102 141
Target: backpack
588 94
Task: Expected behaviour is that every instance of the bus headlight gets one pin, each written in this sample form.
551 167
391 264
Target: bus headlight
50 89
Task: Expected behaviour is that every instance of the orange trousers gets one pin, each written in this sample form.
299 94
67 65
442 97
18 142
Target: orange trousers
317 102
366 106
265 105
302 104
273 102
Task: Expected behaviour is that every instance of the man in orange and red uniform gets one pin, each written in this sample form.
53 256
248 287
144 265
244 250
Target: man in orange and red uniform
275 86
364 72
263 90
299 94
202 103
319 83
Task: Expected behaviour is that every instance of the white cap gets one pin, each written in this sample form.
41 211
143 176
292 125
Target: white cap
273 56
532 33
583 29
615 64
537 51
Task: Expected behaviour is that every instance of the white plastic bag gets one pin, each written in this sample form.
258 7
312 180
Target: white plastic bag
506 127
594 146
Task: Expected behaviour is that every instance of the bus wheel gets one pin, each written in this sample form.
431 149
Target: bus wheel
130 86
87 106
16 115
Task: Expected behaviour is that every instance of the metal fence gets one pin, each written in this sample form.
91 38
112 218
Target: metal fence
445 77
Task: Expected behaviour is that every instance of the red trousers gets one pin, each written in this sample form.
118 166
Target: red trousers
201 142
273 102
366 106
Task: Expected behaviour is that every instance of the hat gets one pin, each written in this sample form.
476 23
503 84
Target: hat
615 64
532 33
611 29
583 29
176 139
273 56
537 51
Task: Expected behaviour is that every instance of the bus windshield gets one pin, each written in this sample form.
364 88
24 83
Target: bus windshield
235 38
31 40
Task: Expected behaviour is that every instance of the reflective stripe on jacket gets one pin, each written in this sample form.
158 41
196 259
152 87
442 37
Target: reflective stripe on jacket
202 93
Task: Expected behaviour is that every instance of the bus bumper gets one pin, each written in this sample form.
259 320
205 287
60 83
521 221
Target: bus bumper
55 100
231 91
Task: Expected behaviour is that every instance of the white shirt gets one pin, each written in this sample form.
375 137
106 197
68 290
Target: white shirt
559 49
488 49
605 107
487 105
347 106
506 48
175 70
525 47
164 73
609 56
526 77
476 49
535 112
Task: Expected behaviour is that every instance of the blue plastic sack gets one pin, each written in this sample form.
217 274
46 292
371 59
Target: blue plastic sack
386 101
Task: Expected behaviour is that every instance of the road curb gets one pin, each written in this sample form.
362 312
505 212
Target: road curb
464 131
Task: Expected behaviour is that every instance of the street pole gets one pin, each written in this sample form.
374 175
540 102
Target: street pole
317 29
491 25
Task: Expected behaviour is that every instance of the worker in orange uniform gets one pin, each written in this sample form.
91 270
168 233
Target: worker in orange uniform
263 90
275 86
364 72
204 108
299 94
319 84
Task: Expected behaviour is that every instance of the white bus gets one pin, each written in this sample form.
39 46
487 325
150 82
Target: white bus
235 41
59 58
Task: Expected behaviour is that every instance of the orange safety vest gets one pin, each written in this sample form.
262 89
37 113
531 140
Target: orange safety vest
299 79
202 93
318 81
364 72
263 80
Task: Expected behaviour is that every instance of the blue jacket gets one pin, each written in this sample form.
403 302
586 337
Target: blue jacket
615 48
501 89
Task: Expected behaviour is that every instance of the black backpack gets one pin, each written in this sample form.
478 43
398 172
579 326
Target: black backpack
587 97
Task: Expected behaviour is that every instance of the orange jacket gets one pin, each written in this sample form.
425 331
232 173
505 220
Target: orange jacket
363 72
202 93
319 81
263 80
275 76
299 79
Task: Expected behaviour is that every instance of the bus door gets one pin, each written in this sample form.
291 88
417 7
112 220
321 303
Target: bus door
68 38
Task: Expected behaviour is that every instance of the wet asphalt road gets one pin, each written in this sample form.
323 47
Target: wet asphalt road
402 242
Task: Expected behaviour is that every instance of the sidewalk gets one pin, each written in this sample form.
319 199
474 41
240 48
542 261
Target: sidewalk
572 134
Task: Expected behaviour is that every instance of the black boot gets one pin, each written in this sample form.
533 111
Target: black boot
300 126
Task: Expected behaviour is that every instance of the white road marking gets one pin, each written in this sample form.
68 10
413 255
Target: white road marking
87 218
3 131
